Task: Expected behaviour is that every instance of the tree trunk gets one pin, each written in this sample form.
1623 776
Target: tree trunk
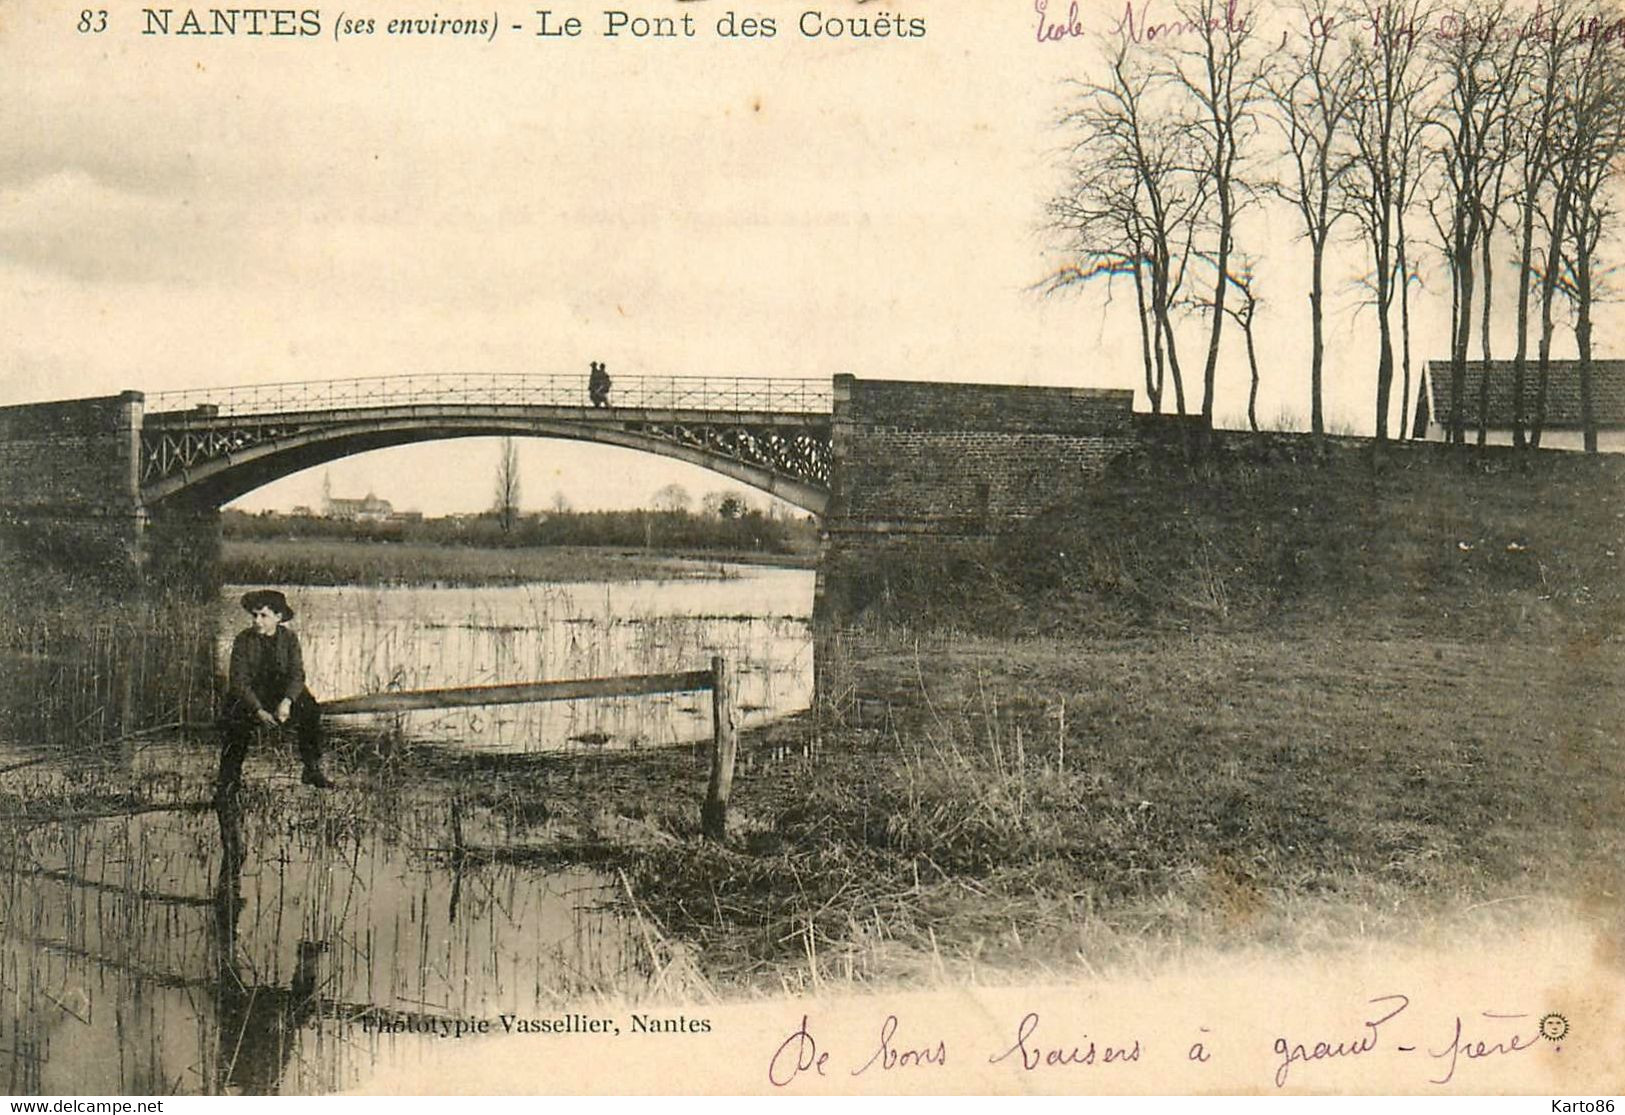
1404 325
1152 388
1210 370
1159 306
1582 324
1317 354
1485 259
1385 351
1548 293
1252 363
1463 328
1156 351
1173 365
1520 359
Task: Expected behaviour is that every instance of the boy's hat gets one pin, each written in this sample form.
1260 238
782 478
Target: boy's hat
267 598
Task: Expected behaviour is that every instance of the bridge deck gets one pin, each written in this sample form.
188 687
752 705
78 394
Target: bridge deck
205 418
693 394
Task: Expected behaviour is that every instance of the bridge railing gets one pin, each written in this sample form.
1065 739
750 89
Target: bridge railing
711 393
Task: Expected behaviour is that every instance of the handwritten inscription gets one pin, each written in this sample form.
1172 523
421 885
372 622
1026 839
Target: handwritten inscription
888 1056
1304 1053
797 1054
1036 1046
1480 1049
1031 1054
1143 24
1142 28
1053 31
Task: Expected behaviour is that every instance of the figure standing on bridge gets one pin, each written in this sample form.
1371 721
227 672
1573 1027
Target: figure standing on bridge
598 385
266 688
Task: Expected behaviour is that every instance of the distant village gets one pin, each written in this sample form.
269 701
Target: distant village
368 509
671 499
722 520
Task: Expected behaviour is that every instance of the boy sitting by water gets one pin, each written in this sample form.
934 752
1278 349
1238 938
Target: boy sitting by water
266 687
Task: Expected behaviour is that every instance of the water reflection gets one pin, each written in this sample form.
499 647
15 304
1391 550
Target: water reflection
280 942
285 940
258 1024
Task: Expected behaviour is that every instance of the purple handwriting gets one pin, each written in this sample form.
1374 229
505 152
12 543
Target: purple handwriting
1477 1050
1051 32
1304 1053
1143 29
900 1049
797 1054
887 1057
1031 1054
1145 26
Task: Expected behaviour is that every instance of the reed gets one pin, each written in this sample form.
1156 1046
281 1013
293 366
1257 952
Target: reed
328 561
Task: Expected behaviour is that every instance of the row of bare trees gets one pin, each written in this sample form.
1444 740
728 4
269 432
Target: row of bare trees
1452 129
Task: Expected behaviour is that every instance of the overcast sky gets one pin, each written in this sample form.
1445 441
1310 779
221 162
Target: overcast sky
186 212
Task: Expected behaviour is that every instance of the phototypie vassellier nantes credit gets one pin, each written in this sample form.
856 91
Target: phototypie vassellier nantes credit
550 1024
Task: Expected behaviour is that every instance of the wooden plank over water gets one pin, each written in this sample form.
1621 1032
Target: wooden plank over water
636 685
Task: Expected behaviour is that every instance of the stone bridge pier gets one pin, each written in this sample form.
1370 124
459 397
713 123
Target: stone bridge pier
70 482
920 470
70 497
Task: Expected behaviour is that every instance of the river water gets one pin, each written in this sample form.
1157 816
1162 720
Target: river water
291 943
368 640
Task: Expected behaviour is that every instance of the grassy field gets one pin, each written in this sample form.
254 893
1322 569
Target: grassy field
1227 790
323 561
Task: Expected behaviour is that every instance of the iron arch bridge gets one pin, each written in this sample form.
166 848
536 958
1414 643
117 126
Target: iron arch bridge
207 447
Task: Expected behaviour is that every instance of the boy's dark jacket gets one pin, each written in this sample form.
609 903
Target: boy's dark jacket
265 669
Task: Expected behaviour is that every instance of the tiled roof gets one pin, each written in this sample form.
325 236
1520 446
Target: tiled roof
1562 392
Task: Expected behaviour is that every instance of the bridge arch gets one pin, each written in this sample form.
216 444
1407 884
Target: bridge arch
219 460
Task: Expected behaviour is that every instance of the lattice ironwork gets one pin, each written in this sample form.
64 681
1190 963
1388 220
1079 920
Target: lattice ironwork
801 453
170 447
779 426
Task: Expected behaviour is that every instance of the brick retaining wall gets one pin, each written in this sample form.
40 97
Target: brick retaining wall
965 459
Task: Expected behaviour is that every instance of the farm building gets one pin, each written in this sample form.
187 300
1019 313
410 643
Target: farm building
1562 429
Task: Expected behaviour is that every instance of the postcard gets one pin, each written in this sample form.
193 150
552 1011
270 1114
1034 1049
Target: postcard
850 547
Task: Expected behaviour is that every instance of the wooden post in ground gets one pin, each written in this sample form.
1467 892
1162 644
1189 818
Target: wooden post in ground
725 740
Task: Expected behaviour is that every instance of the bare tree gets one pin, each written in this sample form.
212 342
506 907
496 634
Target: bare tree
1413 162
1389 81
1224 75
1475 92
1130 205
1498 189
1596 108
1245 313
1535 111
672 498
1311 95
1585 90
507 485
